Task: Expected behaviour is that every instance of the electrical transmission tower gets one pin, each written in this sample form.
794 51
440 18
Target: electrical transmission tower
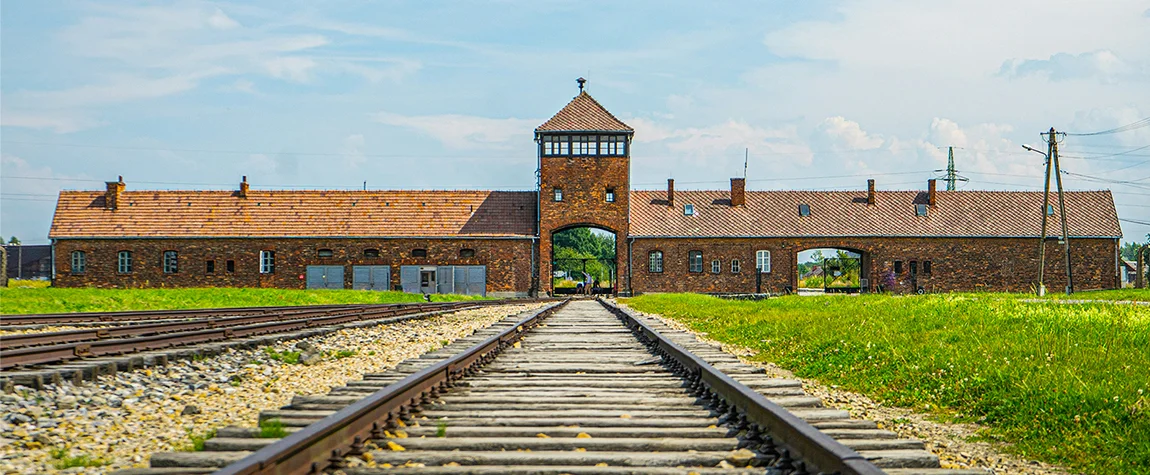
952 177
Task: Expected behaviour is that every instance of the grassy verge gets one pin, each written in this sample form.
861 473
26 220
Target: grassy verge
1067 384
1140 295
56 300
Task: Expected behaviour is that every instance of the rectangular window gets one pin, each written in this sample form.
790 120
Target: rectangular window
124 262
716 266
267 262
419 253
558 194
897 267
171 262
913 267
550 146
610 195
325 253
231 265
735 266
620 145
804 210
210 267
79 262
926 267
763 261
655 261
582 145
695 261
564 145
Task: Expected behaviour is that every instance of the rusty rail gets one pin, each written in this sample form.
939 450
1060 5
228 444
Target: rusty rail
33 355
137 315
795 445
314 448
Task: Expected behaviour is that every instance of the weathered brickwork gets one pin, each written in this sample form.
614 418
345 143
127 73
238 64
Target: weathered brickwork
585 182
508 261
957 264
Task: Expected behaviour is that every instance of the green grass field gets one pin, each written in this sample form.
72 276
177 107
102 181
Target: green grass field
52 300
1064 383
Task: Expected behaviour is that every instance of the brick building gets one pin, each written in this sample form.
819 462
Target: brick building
500 242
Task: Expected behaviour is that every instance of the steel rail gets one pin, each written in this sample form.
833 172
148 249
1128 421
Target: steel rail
135 315
10 342
68 351
324 444
774 431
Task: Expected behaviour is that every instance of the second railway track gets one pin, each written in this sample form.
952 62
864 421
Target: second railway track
586 389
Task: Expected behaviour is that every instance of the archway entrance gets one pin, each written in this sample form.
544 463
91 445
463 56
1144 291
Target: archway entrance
583 261
830 271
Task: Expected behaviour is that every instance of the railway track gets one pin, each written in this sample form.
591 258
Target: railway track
33 359
127 317
586 388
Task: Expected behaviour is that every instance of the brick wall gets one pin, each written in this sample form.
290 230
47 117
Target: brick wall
508 261
584 181
983 264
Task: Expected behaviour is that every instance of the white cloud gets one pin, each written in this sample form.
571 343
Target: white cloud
221 21
292 68
464 131
840 133
1103 65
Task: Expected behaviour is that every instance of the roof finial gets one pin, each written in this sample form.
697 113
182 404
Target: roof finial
581 82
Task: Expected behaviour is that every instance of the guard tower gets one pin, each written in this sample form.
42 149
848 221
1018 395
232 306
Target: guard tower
584 178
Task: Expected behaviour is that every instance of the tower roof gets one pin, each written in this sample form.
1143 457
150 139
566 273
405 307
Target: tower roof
583 114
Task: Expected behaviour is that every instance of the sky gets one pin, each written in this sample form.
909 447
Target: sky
445 94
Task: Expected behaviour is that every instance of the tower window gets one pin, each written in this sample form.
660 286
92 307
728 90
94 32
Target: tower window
695 261
267 262
558 194
124 262
564 145
655 261
79 262
583 145
171 262
610 195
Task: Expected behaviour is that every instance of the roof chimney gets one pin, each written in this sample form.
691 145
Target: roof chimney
930 192
244 187
670 192
870 192
738 192
112 195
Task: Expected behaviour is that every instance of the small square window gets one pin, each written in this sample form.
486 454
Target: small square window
231 266
558 194
325 253
210 267
897 267
688 210
804 210
419 253
610 195
920 210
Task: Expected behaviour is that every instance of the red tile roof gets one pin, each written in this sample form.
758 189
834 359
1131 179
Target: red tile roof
583 114
81 214
845 213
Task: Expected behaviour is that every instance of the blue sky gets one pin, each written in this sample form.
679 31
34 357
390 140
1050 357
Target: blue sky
441 95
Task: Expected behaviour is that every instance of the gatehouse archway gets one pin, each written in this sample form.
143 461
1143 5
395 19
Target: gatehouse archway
584 261
832 270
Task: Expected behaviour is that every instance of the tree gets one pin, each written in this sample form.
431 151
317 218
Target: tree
14 241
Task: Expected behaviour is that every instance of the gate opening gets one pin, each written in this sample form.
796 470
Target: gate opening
830 271
583 262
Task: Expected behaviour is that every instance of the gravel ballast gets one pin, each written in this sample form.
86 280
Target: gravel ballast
124 418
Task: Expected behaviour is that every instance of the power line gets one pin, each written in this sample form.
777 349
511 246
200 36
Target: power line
1135 221
1125 128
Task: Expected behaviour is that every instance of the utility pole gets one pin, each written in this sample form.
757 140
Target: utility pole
1042 235
950 174
1062 211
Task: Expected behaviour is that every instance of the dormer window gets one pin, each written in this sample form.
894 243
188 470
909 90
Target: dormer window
920 210
804 210
688 210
